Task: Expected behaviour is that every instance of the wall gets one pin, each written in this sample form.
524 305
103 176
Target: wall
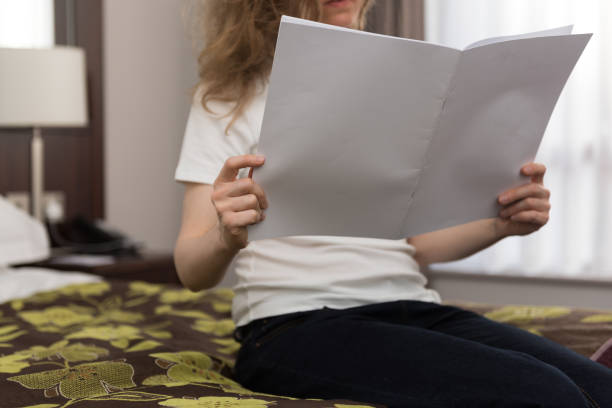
498 289
149 69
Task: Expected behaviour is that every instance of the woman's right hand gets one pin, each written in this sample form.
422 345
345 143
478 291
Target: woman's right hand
239 202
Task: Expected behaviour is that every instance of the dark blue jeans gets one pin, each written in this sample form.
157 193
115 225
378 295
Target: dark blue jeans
415 354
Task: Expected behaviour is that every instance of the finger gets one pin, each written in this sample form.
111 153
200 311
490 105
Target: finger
531 217
261 196
529 203
232 166
524 191
248 186
534 170
242 203
241 219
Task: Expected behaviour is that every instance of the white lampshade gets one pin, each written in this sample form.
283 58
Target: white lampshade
43 87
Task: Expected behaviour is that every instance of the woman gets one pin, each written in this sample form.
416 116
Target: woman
343 317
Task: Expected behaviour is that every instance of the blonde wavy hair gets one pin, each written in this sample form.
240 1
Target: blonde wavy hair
239 40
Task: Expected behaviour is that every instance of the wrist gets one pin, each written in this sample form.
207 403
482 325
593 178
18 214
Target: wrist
226 241
500 228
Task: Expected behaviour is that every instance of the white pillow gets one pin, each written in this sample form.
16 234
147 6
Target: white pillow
22 238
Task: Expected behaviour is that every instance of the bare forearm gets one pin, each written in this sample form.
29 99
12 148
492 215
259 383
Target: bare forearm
454 243
524 209
215 220
202 261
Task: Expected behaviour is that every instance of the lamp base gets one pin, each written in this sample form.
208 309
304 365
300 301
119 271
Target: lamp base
37 150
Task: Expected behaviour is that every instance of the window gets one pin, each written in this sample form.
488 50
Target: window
577 146
26 23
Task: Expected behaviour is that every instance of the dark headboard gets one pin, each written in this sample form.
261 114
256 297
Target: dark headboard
74 158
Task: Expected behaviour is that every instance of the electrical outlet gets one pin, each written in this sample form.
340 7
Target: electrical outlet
54 205
19 199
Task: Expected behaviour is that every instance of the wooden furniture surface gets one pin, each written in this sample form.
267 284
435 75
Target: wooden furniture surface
150 267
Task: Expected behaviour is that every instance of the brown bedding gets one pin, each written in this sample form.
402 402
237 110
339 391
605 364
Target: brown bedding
126 344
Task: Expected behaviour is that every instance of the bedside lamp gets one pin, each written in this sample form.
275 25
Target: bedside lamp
42 87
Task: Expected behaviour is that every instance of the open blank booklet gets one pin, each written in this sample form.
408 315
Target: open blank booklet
368 135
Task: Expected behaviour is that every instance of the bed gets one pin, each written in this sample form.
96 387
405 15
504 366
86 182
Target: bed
132 343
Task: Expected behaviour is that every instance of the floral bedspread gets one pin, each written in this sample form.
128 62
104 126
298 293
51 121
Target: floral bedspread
126 344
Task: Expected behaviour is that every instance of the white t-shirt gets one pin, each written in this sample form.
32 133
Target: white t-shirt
291 274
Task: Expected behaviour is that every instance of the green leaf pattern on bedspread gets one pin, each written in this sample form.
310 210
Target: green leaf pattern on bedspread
8 333
190 367
212 402
126 343
526 314
70 353
81 381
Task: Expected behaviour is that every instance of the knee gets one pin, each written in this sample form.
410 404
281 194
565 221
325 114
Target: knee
552 388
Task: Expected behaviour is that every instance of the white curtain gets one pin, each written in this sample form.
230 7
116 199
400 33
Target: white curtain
26 23
577 145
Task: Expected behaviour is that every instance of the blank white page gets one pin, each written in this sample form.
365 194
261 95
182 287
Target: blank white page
499 104
348 119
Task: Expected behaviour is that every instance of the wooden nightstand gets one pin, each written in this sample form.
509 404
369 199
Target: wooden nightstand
149 267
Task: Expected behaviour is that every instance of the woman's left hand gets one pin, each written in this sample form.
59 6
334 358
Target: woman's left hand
525 208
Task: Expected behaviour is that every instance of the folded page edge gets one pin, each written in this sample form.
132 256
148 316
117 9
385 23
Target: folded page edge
562 30
308 23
